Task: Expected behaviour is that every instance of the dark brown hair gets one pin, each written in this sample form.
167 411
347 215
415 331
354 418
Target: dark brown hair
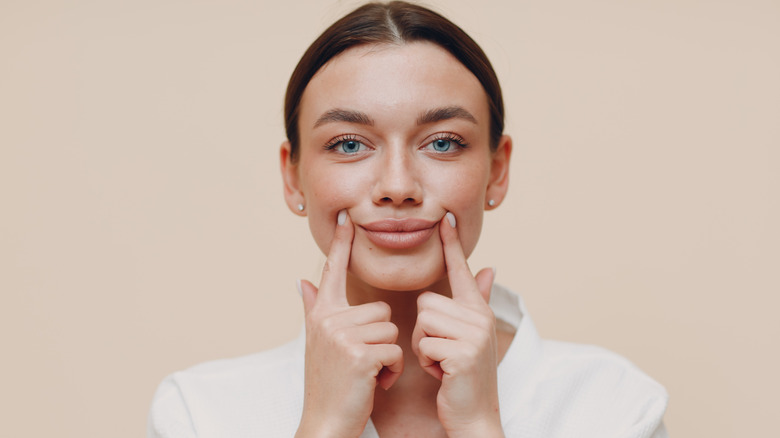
396 22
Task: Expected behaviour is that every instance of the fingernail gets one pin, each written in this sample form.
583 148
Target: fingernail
494 273
342 217
450 218
298 285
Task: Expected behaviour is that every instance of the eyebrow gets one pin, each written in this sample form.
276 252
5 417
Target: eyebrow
342 115
445 113
361 118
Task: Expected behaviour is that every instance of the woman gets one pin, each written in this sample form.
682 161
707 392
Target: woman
395 149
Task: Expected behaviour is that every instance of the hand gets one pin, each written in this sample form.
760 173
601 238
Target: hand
349 350
455 341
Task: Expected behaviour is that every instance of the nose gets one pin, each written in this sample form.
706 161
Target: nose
397 179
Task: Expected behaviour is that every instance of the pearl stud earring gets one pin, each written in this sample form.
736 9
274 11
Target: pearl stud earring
300 207
492 203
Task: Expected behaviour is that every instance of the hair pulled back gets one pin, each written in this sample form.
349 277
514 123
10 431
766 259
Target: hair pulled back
396 22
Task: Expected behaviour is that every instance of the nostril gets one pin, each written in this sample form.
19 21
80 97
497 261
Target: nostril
393 200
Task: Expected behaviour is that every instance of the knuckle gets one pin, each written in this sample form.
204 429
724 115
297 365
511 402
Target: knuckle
470 354
424 320
382 308
424 344
328 325
392 330
398 355
486 324
426 299
356 355
394 353
340 338
483 338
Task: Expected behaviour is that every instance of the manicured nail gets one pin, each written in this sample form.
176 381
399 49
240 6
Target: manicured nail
298 285
342 217
450 218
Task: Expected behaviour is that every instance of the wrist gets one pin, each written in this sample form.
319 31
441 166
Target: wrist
310 428
487 429
314 432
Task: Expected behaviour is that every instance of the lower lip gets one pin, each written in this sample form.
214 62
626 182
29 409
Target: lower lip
399 239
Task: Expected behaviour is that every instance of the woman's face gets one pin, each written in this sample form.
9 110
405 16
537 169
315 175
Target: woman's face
398 135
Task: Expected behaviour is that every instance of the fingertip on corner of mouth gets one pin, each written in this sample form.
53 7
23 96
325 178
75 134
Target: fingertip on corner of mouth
451 219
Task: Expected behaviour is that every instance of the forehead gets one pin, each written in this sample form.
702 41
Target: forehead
386 80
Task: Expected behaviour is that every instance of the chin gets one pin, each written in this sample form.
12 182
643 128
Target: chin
400 278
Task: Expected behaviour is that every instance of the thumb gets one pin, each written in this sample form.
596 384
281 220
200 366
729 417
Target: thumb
485 278
308 292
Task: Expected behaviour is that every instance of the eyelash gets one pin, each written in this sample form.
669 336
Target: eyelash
449 136
341 139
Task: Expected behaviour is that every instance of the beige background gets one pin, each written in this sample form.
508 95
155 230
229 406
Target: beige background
143 227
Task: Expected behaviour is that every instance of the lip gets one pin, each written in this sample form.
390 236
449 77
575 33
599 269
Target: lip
399 233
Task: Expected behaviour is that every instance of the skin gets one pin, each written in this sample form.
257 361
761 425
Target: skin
413 321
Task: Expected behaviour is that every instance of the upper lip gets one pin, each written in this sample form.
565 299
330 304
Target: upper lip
399 225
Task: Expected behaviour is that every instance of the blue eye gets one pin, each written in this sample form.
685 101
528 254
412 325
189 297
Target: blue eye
441 145
349 146
346 145
446 143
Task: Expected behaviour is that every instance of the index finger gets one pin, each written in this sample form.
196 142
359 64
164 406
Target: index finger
462 282
333 285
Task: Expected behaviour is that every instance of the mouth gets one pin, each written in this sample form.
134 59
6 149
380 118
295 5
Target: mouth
399 233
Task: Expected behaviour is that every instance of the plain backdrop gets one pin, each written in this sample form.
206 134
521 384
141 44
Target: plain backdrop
143 228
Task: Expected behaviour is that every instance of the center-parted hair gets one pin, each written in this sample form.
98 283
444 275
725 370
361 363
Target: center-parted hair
396 22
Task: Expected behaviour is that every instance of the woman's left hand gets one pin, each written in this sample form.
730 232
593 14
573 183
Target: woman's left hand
455 341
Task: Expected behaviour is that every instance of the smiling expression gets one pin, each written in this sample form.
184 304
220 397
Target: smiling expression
398 135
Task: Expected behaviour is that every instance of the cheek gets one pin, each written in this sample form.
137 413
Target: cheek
328 192
464 195
469 218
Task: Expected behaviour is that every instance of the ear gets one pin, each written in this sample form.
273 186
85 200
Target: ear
293 195
499 173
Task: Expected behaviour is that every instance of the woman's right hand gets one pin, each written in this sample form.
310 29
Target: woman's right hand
349 349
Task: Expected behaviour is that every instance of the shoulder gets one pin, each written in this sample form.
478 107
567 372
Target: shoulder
598 392
560 389
257 367
241 395
594 361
